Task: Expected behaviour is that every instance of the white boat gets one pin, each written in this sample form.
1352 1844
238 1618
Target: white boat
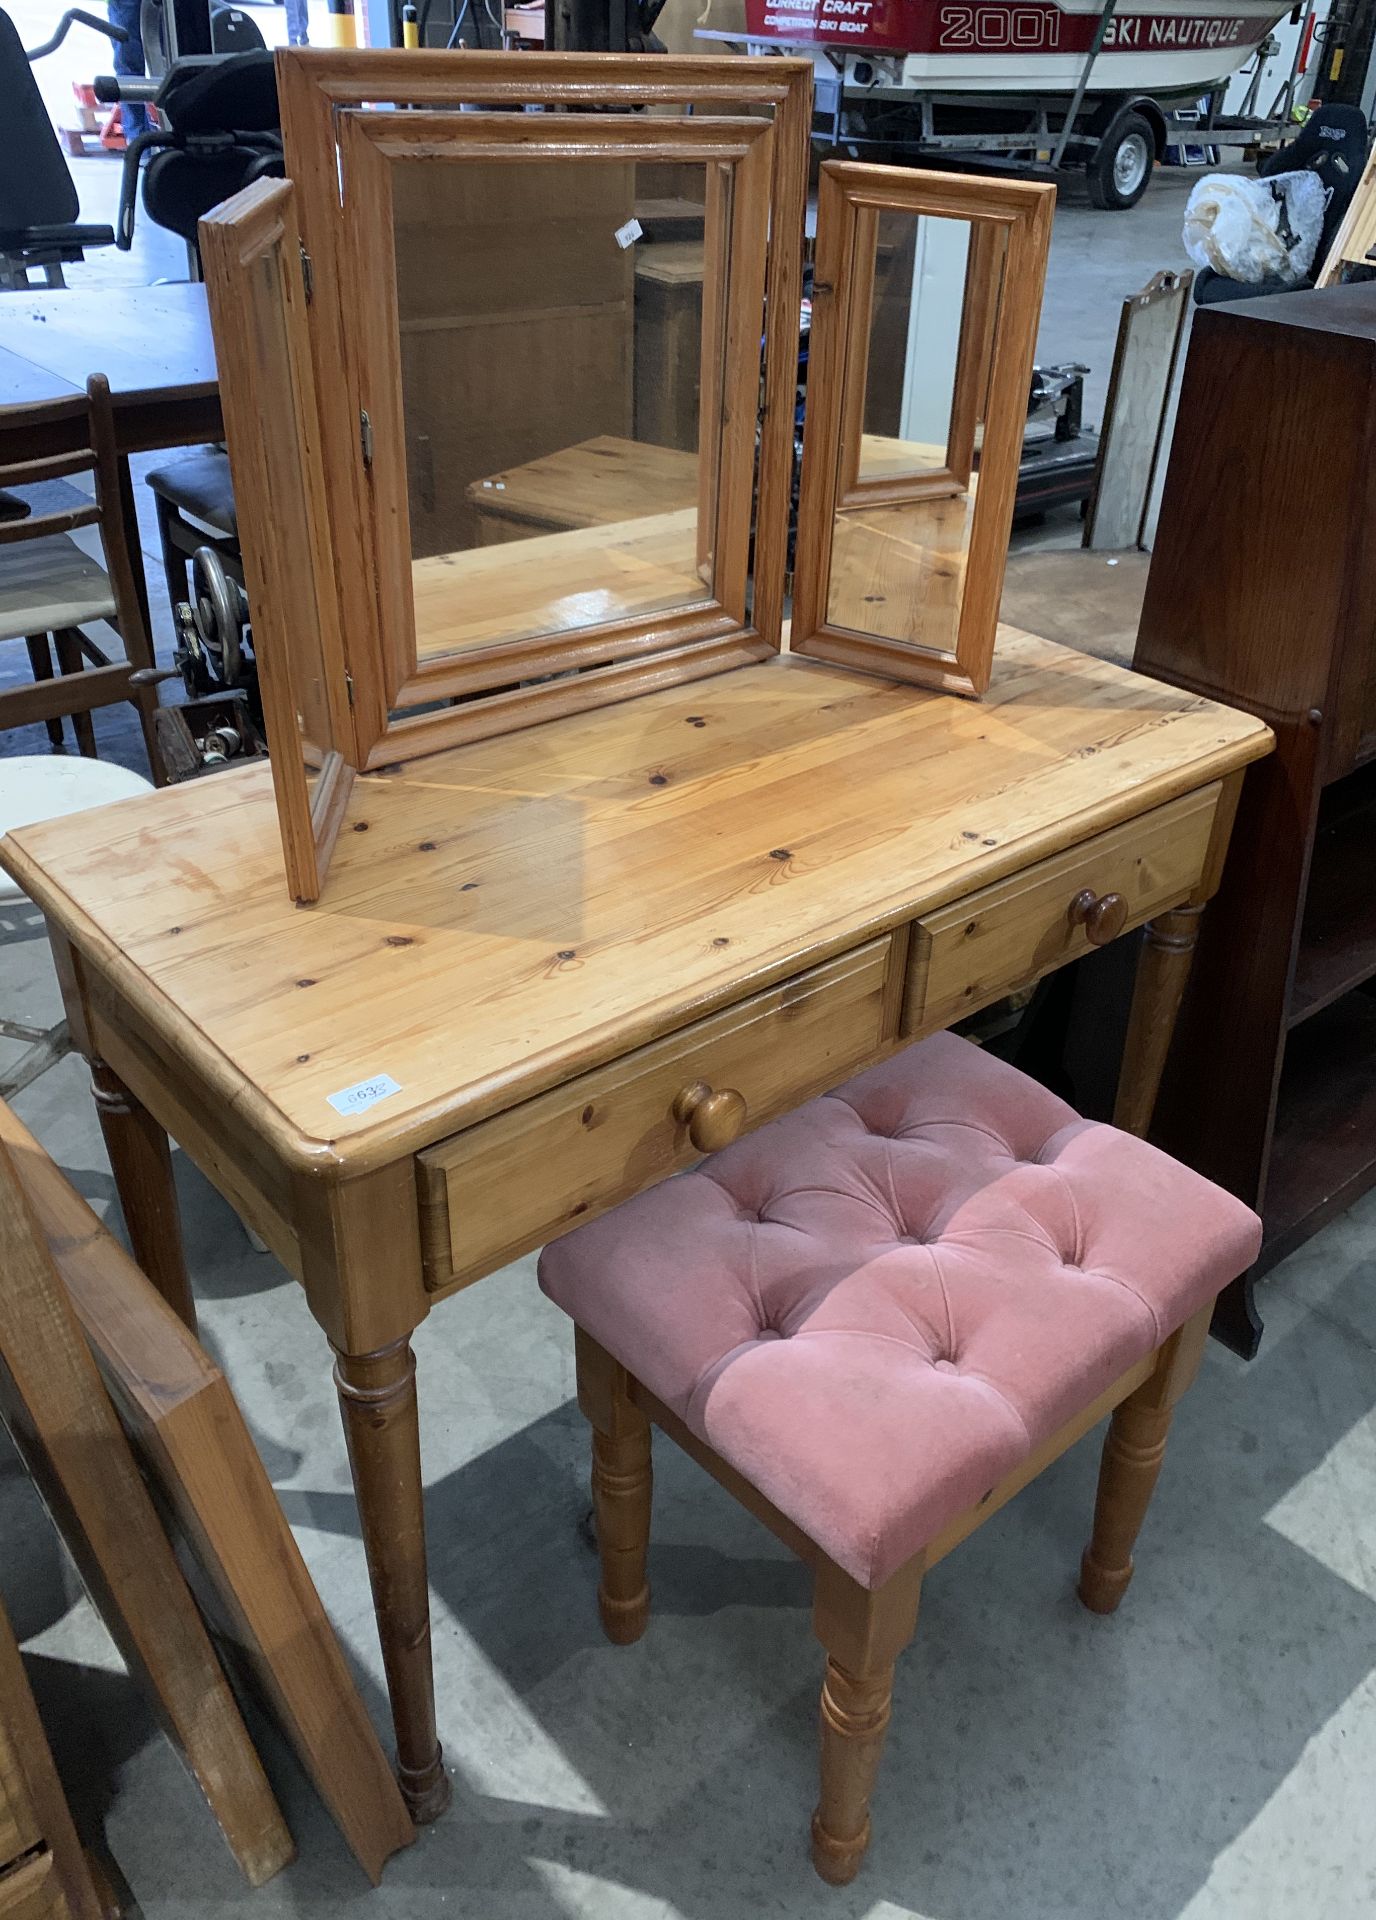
1168 49
1032 82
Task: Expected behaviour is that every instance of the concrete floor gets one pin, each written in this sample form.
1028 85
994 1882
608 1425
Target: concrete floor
1207 1754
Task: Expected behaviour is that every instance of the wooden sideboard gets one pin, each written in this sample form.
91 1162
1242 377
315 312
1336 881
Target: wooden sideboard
553 966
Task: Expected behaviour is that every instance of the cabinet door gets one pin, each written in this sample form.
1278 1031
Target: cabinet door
257 290
924 320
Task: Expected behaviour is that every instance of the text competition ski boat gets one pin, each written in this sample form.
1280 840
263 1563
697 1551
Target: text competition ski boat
1064 80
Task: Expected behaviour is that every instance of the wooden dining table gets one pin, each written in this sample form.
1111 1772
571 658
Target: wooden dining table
153 345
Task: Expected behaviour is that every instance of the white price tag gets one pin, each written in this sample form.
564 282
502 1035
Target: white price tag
628 235
364 1094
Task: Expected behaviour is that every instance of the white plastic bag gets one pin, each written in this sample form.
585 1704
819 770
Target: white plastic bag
1252 230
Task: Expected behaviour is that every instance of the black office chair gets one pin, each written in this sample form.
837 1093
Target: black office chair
222 130
39 228
1332 143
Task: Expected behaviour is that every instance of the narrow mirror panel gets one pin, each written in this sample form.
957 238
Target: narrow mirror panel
910 443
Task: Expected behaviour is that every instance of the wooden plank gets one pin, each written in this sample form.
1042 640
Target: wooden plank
34 1817
61 1419
190 1436
509 919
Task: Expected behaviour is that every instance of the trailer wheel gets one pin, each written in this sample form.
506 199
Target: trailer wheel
1121 166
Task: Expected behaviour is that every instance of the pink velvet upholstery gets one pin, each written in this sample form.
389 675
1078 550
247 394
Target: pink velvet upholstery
877 1306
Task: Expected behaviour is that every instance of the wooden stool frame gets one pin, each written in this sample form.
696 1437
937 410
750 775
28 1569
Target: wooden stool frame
864 1630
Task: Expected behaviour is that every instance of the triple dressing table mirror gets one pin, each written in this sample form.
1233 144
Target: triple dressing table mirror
925 307
444 317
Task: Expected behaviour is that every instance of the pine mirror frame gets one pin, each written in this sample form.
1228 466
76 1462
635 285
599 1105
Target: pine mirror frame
316 88
636 650
851 197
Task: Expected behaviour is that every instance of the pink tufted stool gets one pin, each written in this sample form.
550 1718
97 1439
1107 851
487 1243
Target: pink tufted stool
874 1321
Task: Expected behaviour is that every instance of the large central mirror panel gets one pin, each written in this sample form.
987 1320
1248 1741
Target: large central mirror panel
562 430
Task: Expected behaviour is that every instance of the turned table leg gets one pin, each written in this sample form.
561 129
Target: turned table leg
141 1162
377 1397
1162 971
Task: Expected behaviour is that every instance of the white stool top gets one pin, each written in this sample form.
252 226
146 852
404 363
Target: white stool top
43 786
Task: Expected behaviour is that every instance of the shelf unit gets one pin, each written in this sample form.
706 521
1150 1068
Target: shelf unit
1262 593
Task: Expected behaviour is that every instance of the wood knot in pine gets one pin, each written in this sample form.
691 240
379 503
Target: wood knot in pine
426 846
399 940
780 853
360 826
305 983
659 779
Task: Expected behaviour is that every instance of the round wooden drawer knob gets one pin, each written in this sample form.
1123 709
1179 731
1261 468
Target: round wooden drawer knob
1102 915
713 1117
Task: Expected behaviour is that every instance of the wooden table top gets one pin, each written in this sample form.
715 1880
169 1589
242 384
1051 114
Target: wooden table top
561 583
520 909
153 344
596 482
899 570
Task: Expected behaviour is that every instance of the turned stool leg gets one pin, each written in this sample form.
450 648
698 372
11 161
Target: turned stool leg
1133 1452
863 1633
622 1483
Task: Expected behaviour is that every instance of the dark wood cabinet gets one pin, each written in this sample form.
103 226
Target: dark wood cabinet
1262 593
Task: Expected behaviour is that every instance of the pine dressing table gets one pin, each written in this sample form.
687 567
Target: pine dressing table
558 964
562 873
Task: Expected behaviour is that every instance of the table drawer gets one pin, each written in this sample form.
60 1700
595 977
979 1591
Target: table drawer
524 1177
1007 935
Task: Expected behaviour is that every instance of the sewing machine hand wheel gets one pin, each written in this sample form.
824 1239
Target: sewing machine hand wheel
219 609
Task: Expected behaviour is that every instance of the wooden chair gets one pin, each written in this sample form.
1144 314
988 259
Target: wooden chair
67 1276
50 587
875 1321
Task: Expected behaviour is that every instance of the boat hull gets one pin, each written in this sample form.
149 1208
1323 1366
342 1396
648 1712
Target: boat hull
1024 46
